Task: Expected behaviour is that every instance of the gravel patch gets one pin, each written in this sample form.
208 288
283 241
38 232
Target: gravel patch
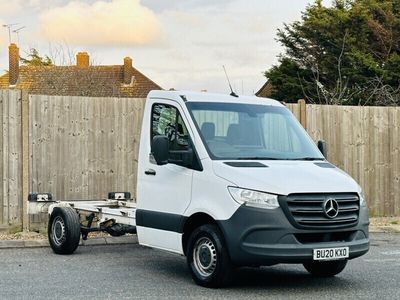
29 236
22 236
385 221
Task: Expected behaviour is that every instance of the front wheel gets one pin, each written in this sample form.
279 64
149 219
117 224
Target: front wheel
207 257
64 230
325 268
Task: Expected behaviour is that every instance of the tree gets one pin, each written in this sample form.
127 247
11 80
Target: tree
34 59
348 53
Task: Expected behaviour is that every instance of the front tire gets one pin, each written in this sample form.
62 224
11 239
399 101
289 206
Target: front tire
64 230
207 257
325 268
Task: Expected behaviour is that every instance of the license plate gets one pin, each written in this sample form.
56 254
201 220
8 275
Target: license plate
331 253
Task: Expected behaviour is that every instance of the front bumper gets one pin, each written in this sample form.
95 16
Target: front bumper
257 237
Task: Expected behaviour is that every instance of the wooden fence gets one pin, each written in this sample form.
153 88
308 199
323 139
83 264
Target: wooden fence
73 147
81 148
10 159
363 141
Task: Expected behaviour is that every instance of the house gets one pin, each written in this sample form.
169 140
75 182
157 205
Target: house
81 79
265 90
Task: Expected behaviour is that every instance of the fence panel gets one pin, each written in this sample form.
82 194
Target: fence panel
365 142
11 159
82 148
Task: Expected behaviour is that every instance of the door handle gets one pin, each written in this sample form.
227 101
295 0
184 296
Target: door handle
150 172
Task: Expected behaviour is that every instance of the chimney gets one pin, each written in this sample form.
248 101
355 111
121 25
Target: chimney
128 70
13 57
82 60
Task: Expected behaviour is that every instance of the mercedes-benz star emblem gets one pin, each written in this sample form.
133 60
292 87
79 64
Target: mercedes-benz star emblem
331 208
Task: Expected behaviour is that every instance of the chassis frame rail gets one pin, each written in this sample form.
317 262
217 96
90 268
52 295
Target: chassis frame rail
115 215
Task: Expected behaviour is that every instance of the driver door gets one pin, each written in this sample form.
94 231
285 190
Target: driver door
166 188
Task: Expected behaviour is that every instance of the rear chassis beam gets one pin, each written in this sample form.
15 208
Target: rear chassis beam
115 216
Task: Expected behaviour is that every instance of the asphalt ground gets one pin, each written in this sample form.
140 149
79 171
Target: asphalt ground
131 271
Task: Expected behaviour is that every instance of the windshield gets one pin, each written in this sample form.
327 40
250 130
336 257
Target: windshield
249 131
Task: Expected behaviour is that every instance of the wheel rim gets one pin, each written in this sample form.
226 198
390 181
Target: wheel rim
205 256
58 231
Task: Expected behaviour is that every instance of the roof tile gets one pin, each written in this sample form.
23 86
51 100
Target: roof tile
94 81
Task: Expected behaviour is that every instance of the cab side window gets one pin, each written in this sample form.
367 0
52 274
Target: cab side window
167 121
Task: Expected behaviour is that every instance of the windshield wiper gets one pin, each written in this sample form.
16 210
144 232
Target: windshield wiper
307 158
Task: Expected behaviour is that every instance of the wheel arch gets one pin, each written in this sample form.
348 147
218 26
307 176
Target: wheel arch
194 221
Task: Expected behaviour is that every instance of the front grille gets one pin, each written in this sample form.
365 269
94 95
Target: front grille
307 210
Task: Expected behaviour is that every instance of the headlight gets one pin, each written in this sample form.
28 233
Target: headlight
254 198
362 199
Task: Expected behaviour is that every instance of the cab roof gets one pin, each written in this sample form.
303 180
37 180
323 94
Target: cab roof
211 97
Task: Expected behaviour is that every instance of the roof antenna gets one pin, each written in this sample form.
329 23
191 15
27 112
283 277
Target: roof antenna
16 31
9 27
230 86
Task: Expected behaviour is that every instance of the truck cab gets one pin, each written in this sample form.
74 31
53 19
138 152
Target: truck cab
236 181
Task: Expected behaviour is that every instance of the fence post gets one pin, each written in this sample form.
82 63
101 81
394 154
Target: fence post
303 112
25 158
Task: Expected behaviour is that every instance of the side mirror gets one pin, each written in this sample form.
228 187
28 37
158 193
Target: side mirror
160 149
323 148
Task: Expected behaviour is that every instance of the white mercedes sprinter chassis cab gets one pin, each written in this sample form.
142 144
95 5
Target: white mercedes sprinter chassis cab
227 181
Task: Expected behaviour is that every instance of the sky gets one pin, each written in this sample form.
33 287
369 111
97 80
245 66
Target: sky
179 44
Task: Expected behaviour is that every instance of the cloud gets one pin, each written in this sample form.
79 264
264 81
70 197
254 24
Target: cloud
14 7
213 37
3 36
180 5
113 23
3 49
239 34
9 7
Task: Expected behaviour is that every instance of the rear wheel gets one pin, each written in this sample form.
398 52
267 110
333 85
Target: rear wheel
64 230
207 257
325 268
